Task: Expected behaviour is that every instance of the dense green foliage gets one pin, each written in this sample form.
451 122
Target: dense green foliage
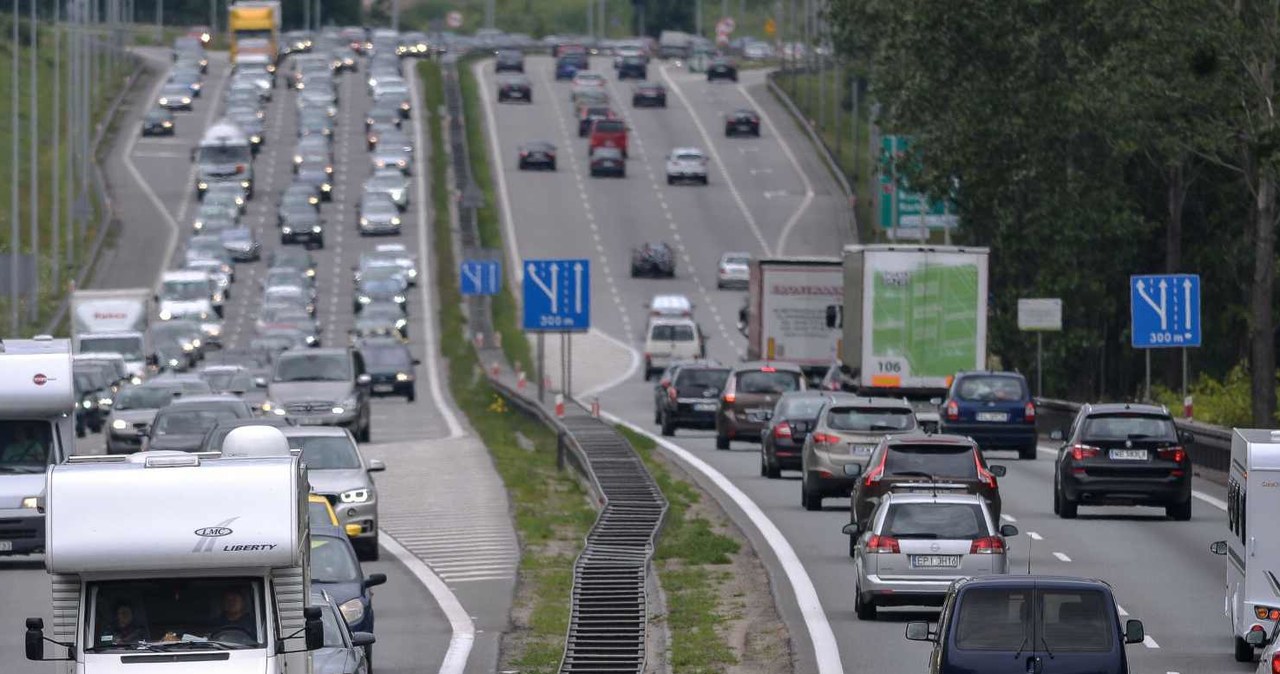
1092 141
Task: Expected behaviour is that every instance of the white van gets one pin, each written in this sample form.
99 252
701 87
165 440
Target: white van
669 339
1253 546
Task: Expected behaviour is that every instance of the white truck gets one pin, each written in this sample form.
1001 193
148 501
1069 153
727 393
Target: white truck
114 321
1252 545
788 303
37 404
912 317
204 567
192 295
224 154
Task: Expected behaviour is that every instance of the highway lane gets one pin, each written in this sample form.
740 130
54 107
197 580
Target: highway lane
1161 570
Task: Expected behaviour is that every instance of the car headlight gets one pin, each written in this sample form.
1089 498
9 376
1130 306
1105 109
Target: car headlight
311 273
329 170
395 220
164 101
245 184
195 343
166 315
202 185
119 425
186 100
297 159
197 225
352 610
404 106
87 404
364 221
364 299
311 339
31 502
338 409
413 273
255 139
400 299
105 402
326 187
286 230
400 323
403 376
166 124
315 229
173 362
188 347
213 330
217 298
135 380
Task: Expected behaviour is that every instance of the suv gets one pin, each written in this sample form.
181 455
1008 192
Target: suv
668 339
749 397
633 67
917 544
993 408
690 400
1123 454
322 387
338 471
847 430
1014 624
608 133
939 461
782 440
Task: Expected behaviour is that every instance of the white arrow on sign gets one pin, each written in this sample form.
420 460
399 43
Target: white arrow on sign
552 292
1161 309
1186 300
577 287
472 272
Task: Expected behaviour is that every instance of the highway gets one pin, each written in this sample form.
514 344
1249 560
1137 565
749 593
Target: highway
772 196
153 181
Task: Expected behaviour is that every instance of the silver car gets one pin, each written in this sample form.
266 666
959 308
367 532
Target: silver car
734 270
847 430
919 540
392 183
339 472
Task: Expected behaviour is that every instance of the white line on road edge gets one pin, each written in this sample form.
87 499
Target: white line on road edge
464 631
632 368
127 158
825 650
1008 518
496 169
724 168
426 280
804 177
1061 557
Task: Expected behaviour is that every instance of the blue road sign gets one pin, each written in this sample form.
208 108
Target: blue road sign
557 295
480 277
1165 310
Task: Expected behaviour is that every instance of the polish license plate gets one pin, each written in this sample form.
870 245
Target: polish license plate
6 546
1129 454
759 415
384 388
863 449
993 416
704 407
935 561
516 94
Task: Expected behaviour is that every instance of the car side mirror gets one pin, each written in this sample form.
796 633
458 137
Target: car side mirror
998 471
1135 634
852 469
1187 437
260 382
363 639
375 579
417 361
1008 530
1057 435
918 630
851 529
1218 547
376 466
364 380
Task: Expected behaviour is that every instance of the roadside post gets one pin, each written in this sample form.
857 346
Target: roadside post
1164 311
1040 315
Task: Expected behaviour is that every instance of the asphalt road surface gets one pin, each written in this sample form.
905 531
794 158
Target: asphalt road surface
1161 570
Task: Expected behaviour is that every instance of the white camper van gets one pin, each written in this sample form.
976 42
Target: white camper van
1253 499
37 428
177 577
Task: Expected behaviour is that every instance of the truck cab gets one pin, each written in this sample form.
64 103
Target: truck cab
224 155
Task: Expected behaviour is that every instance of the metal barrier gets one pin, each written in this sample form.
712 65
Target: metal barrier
1210 449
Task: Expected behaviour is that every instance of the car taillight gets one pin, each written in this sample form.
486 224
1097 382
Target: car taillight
953 410
825 439
1174 454
989 545
985 475
883 545
1081 452
782 430
874 476
1029 412
768 369
1275 663
729 398
524 154
1266 613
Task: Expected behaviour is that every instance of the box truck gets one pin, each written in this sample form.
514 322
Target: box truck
204 566
114 321
788 303
258 22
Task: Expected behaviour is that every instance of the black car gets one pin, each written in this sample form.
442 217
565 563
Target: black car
537 154
782 440
691 396
91 391
1123 454
509 60
633 67
515 87
390 365
742 123
158 122
317 175
722 69
649 95
653 260
608 161
302 224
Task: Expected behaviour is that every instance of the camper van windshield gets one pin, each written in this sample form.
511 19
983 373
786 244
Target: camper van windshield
24 446
225 154
129 347
175 614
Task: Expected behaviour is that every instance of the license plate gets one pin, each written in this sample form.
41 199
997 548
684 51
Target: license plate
863 449
704 407
516 94
383 388
935 561
1129 454
759 415
6 546
993 416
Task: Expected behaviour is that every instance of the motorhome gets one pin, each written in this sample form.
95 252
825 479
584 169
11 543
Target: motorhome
37 427
224 155
1253 498
205 566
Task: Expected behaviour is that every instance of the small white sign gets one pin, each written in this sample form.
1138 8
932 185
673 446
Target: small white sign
1043 314
454 19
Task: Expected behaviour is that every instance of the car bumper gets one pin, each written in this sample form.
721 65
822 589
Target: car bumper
23 531
786 454
308 236
649 100
365 515
995 436
739 429
391 388
1107 490
733 281
379 228
898 591
686 415
123 444
347 418
618 171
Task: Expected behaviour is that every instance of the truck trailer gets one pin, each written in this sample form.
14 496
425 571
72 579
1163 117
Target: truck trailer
789 300
255 20
114 321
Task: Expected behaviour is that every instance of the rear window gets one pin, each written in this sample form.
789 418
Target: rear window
688 156
990 389
609 126
870 419
993 619
672 333
759 381
947 521
935 460
702 377
1129 427
1075 620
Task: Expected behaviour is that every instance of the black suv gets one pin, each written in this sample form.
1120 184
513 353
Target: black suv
390 366
633 67
722 69
509 60
691 397
1123 454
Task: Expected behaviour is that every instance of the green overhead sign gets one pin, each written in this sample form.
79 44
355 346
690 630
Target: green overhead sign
899 206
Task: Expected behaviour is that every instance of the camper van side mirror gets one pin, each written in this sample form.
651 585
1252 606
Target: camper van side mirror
1134 634
1218 547
998 471
35 639
314 628
375 579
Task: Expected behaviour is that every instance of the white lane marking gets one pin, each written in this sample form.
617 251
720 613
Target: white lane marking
825 650
162 154
1034 536
498 169
724 168
424 261
1008 518
1061 557
1149 642
460 624
1123 613
804 177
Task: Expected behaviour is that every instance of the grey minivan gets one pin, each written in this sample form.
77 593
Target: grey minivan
322 387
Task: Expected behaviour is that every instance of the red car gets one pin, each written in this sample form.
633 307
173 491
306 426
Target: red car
609 133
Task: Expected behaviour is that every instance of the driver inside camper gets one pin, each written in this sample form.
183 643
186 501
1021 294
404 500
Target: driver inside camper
23 444
234 616
124 629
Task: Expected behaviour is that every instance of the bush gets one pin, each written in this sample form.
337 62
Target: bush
1224 402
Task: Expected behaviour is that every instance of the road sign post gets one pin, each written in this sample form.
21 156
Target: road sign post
1040 316
480 277
1164 311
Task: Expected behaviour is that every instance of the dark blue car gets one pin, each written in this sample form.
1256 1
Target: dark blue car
1021 624
993 408
568 65
336 570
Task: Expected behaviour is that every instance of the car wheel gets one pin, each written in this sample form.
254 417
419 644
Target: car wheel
668 426
722 441
413 395
670 180
1243 651
553 165
704 180
1066 508
811 499
1027 453
367 549
865 608
1180 512
771 469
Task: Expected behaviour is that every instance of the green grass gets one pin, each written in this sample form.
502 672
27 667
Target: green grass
551 509
692 561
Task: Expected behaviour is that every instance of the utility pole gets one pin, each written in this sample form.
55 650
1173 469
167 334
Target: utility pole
33 195
395 14
159 20
591 19
68 162
697 18
318 18
15 176
489 14
604 27
55 199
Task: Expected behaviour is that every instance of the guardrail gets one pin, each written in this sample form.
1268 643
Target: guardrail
1210 449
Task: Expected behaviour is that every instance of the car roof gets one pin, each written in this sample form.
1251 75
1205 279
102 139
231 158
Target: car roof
939 497
700 365
1114 408
760 364
929 439
314 431
840 398
331 351
671 320
1041 581
688 150
990 373
205 399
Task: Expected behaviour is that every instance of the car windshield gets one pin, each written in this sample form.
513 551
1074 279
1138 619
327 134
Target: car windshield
870 419
192 420
672 333
954 461
178 614
313 367
388 358
197 289
229 380
950 521
175 330
386 183
381 285
737 260
990 389
129 347
24 445
378 207
224 154
763 381
609 126
326 452
1129 427
688 156
993 619
333 561
144 398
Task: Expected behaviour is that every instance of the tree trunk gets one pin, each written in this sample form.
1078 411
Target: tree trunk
1262 361
1176 176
